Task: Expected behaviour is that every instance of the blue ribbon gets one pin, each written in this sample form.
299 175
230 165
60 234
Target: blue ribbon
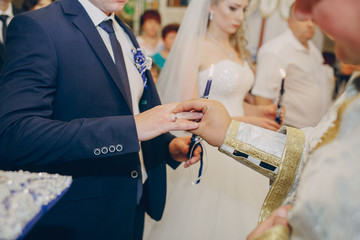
194 143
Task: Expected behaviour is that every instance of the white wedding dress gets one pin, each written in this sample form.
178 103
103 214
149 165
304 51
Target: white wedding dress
226 203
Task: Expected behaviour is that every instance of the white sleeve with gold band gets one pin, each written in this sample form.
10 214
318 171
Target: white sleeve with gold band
276 155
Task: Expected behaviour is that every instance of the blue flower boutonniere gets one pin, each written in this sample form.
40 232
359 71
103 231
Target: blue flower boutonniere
142 62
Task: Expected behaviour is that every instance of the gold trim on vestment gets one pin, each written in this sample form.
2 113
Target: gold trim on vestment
332 132
232 141
291 157
277 232
287 166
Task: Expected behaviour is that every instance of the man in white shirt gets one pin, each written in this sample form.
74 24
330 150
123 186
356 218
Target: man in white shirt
308 83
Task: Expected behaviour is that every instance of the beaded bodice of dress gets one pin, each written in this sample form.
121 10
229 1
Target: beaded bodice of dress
230 83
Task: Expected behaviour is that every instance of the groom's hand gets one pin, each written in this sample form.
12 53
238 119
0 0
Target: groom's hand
215 122
179 148
162 119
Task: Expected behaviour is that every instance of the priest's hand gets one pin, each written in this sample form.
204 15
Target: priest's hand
278 217
214 123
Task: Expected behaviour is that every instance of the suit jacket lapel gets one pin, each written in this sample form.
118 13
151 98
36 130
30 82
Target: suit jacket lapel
128 32
150 97
83 22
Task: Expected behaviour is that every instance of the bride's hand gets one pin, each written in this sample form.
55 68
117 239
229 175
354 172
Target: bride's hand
269 111
259 121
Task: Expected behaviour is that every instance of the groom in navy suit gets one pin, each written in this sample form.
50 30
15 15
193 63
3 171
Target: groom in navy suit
71 105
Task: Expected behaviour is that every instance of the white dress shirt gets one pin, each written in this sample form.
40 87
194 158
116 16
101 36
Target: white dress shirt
135 80
308 83
9 12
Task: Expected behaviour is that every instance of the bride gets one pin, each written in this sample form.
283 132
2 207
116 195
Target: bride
227 202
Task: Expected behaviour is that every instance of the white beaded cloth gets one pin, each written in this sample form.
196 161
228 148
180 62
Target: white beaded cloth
24 196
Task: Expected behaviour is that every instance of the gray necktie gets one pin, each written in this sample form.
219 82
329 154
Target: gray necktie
4 28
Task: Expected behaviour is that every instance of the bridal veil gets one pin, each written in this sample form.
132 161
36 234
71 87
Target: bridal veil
178 78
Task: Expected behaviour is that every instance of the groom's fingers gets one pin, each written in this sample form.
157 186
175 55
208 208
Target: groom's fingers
196 157
191 161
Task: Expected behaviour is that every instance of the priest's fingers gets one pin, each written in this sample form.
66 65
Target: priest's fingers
189 115
278 217
281 217
197 105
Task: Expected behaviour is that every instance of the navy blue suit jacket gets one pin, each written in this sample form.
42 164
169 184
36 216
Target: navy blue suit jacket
61 98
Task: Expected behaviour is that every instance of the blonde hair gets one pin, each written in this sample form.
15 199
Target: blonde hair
238 40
